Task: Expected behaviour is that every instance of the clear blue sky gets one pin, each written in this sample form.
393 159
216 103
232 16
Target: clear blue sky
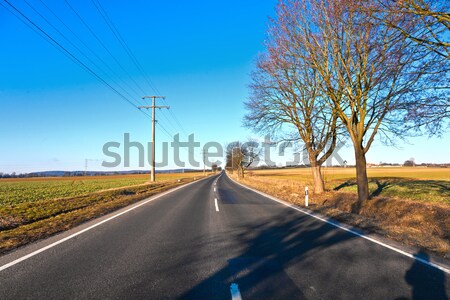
198 54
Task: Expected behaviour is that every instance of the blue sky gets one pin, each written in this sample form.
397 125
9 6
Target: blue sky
196 53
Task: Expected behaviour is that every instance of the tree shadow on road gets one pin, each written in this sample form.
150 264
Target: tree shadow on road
269 249
283 258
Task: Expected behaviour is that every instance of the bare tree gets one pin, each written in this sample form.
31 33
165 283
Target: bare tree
427 24
285 93
431 19
240 156
373 77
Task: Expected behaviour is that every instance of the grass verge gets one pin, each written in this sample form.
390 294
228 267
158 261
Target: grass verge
27 222
400 214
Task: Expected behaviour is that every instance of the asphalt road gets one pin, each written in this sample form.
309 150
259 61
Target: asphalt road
184 246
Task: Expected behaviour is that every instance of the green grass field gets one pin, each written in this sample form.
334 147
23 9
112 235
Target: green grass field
21 190
34 208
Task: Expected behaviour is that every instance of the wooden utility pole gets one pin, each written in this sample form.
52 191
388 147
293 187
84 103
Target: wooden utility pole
204 165
86 160
153 106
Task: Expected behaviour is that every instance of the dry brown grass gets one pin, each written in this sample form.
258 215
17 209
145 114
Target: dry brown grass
414 223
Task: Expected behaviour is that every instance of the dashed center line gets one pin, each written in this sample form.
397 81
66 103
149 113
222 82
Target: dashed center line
217 206
235 293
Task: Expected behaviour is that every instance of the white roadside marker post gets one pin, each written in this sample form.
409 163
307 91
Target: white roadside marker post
306 196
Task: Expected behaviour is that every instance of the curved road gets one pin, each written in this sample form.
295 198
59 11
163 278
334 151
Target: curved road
188 245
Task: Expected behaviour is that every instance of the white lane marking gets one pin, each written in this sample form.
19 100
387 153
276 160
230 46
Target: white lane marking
14 262
235 293
217 206
424 261
214 189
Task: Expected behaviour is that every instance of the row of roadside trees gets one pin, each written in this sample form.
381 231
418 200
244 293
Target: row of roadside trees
352 70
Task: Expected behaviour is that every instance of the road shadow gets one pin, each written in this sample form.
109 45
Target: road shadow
426 282
269 248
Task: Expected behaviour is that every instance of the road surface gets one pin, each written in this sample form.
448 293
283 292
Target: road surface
215 239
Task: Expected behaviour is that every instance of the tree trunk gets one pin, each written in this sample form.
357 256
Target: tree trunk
361 178
319 185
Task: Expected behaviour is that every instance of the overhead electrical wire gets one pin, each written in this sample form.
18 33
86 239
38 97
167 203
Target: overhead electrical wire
122 42
62 49
35 27
77 48
103 45
127 50
89 48
132 57
51 40
102 12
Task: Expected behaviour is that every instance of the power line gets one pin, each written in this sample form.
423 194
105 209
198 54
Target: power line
76 47
61 48
177 121
103 45
169 122
33 26
36 28
89 49
168 134
131 55
124 44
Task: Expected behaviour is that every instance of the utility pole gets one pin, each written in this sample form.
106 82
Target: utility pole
153 106
204 165
86 160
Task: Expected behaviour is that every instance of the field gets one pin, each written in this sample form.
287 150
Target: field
408 204
35 208
415 183
20 190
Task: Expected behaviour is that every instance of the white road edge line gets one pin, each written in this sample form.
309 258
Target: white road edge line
14 262
217 206
235 293
443 269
